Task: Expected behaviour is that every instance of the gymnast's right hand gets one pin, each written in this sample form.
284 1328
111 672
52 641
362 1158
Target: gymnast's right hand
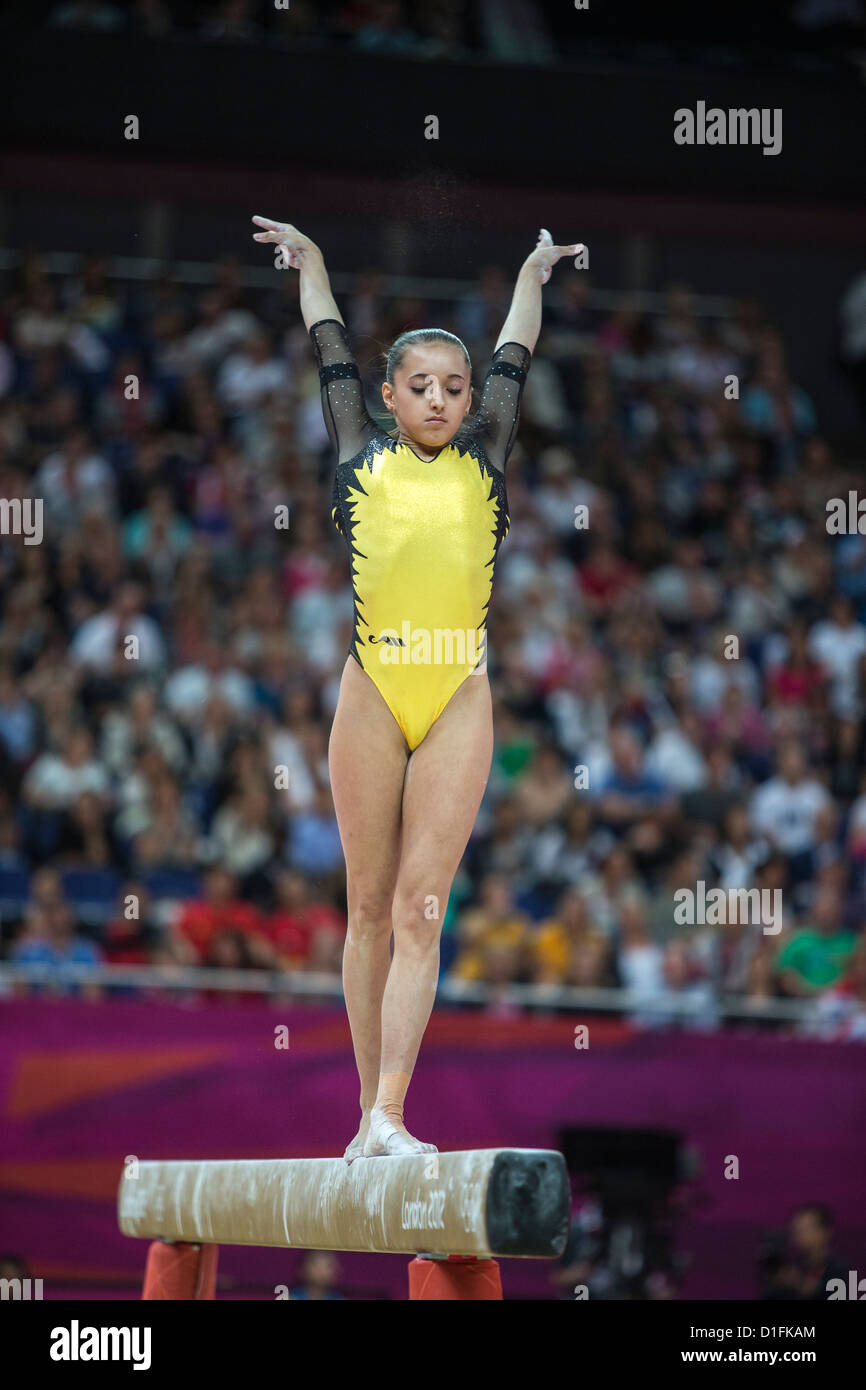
298 247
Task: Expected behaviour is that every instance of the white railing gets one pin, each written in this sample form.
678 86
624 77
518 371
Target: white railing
343 282
319 985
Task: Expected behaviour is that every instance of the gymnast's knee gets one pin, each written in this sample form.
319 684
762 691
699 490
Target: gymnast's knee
418 914
369 917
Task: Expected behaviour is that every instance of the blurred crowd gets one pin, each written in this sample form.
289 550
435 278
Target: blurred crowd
522 31
677 646
392 28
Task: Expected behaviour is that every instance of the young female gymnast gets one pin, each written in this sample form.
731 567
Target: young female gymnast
423 509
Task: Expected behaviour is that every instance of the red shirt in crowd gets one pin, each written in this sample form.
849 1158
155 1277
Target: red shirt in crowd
291 933
795 684
603 578
200 922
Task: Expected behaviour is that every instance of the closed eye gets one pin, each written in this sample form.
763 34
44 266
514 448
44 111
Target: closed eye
452 391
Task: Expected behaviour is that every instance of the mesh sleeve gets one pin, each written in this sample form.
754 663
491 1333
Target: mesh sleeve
499 411
347 419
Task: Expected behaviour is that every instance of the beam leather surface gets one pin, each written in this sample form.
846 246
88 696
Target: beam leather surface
478 1202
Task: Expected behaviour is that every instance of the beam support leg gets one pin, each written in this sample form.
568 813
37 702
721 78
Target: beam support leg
457 1278
180 1272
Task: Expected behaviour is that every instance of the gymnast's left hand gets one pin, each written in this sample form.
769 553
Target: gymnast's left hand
545 255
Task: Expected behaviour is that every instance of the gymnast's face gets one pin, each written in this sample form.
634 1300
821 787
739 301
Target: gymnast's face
431 394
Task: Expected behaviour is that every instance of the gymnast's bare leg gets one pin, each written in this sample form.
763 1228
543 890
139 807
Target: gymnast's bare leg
445 781
367 757
412 841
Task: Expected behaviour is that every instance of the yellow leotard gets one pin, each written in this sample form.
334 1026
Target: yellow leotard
423 535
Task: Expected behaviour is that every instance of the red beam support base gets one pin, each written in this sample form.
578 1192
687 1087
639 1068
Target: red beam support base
182 1273
458 1278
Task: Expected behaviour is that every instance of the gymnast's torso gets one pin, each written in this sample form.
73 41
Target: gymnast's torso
423 534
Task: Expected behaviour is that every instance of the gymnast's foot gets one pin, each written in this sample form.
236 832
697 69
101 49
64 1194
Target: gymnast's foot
356 1148
385 1137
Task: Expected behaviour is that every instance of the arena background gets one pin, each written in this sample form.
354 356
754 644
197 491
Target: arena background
609 644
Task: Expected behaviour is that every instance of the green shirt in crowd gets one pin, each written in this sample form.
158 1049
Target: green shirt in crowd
819 960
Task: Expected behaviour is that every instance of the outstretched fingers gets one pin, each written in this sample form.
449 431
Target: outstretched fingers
551 253
574 250
274 231
271 224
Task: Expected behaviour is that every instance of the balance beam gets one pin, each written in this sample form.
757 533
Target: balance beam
481 1203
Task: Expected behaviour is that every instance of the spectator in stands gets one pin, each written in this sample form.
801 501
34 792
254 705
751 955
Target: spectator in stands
839 644
772 406
56 780
544 790
219 909
639 962
167 832
816 956
568 948
687 980
298 919
495 924
567 852
17 719
132 936
129 405
632 803
683 872
320 1273
796 677
740 852
50 939
740 726
102 642
244 834
158 537
73 481
675 757
716 669
785 808
218 330
248 380
480 315
40 322
289 748
604 577
85 839
190 689
810 1263
313 841
140 723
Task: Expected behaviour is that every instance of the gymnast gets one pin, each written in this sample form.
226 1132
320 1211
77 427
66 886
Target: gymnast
423 509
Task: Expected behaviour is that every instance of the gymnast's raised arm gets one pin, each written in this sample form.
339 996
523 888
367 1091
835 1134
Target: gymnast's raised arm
523 323
346 417
499 410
